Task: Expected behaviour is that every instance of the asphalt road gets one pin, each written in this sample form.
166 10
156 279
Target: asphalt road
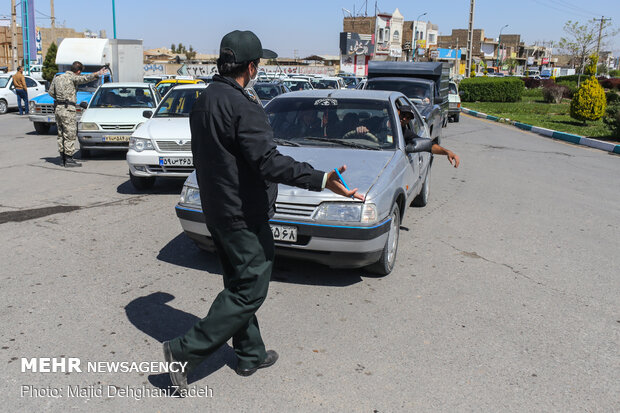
505 295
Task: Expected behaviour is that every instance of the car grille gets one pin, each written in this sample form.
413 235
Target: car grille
294 210
172 146
117 127
44 109
175 169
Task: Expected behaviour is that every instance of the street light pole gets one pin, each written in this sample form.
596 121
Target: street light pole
114 17
415 35
499 44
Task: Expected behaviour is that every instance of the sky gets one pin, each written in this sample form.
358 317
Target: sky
302 28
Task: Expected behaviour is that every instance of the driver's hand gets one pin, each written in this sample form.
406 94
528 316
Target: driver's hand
361 129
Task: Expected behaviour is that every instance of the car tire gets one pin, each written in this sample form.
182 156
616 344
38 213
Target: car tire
422 199
141 182
42 128
456 117
4 107
385 265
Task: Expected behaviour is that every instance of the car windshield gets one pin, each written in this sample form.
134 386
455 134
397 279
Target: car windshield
453 90
266 91
413 90
153 80
123 97
325 84
297 85
178 103
361 123
4 81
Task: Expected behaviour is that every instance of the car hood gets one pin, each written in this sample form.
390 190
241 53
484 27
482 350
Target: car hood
46 99
114 115
165 128
363 169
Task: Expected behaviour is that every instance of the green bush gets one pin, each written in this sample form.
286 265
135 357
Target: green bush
492 89
614 73
571 85
612 97
589 102
554 93
612 118
570 78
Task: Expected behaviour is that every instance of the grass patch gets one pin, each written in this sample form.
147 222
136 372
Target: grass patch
534 111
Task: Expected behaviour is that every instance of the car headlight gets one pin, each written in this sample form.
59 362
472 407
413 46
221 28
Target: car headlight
190 196
140 144
87 126
31 106
346 212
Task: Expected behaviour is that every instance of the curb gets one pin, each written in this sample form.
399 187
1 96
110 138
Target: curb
563 136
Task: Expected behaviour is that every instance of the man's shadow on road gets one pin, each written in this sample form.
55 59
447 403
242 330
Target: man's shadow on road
152 315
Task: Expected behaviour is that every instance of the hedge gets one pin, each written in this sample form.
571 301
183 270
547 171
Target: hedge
491 89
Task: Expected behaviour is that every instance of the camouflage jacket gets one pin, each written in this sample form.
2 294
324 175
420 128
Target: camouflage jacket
64 87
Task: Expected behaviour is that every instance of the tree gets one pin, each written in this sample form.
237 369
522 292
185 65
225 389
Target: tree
581 39
49 64
512 65
589 102
190 53
173 48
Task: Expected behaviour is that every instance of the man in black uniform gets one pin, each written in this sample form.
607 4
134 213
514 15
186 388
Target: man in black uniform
238 168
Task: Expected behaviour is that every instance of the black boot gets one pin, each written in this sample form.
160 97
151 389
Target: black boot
70 162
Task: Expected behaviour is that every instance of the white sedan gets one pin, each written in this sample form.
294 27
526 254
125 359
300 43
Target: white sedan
113 114
8 98
162 146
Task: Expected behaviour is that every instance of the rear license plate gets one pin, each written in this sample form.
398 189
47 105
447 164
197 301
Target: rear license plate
282 233
165 161
116 138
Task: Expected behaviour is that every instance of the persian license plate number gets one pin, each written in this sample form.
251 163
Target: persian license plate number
116 138
284 233
164 161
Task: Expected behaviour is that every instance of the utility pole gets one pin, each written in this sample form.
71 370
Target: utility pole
598 44
470 36
13 36
53 23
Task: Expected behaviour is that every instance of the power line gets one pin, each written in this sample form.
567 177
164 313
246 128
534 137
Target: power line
576 8
556 8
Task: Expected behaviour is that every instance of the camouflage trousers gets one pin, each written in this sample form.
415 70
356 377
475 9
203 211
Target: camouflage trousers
67 130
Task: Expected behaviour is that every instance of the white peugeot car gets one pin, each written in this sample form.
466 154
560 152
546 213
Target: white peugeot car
162 146
113 114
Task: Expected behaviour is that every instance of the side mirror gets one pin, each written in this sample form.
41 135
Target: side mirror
84 105
419 145
147 113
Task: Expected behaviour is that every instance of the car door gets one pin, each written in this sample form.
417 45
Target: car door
413 158
11 97
34 88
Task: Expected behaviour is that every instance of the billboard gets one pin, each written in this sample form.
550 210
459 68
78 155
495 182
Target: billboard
356 44
449 53
545 60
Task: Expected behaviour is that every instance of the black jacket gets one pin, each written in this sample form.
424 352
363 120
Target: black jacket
237 163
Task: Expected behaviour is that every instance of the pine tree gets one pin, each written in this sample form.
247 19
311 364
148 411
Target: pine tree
173 49
49 64
589 101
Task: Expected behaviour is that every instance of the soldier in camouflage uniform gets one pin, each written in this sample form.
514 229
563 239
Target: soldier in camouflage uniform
63 90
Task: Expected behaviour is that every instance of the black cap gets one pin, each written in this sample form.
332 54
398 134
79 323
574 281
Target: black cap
245 47
406 109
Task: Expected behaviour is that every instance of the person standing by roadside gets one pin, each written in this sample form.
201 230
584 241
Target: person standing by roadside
21 90
238 168
64 91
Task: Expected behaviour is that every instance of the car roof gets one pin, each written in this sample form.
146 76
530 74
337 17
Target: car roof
401 78
191 86
125 84
342 94
194 81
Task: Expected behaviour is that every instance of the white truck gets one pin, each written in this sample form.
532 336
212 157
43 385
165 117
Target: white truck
123 56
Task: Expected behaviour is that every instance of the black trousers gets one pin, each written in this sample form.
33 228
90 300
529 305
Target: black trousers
246 256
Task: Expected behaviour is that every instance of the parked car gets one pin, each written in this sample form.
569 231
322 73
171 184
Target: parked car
295 84
454 102
161 146
165 85
269 90
113 114
154 79
8 97
320 127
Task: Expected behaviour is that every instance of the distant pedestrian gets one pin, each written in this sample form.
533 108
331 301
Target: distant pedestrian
238 168
21 90
64 91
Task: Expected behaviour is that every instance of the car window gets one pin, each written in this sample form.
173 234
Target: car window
123 97
30 82
453 90
266 91
89 87
297 85
178 103
4 81
357 121
413 90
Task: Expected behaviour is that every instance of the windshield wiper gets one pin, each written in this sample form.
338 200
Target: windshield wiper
285 142
345 143
172 115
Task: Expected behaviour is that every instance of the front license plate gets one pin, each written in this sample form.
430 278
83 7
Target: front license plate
282 233
116 138
163 161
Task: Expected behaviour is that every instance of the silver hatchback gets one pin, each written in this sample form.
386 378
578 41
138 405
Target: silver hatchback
328 128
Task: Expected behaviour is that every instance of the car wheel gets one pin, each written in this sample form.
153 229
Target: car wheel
142 182
41 127
422 199
456 117
385 265
4 108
